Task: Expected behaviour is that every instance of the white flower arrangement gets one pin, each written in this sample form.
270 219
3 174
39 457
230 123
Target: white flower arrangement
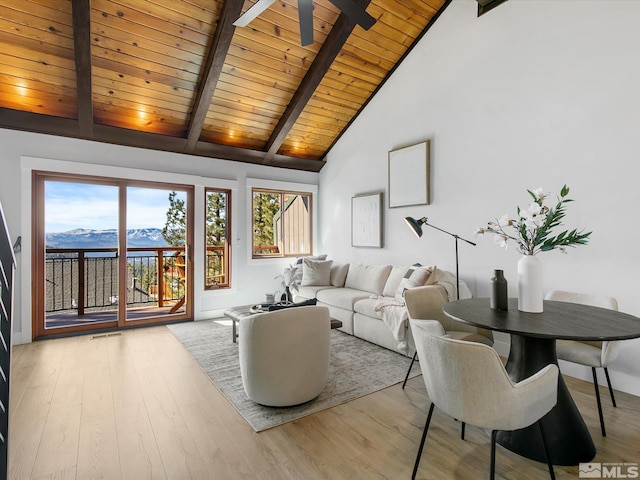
532 230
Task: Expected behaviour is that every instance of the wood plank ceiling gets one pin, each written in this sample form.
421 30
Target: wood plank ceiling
176 75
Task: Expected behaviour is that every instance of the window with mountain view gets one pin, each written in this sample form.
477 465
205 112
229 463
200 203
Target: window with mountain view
281 223
218 230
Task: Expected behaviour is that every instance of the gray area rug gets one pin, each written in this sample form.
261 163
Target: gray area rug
357 368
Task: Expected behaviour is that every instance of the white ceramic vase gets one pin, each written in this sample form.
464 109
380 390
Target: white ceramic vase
530 284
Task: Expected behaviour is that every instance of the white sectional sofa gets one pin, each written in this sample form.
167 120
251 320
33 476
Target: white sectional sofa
368 300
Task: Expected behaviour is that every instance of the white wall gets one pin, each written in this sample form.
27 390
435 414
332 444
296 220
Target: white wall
534 93
22 152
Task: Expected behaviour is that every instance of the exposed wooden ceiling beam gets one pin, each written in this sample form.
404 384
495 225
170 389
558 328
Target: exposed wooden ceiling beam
391 72
64 127
213 67
81 11
327 54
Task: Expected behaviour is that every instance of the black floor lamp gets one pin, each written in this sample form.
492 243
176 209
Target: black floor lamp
416 227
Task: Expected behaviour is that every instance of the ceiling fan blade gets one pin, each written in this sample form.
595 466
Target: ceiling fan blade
305 14
256 9
355 12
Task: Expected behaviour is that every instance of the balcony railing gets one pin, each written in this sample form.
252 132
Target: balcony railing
84 279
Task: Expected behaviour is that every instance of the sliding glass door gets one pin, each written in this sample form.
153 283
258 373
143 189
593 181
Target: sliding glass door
157 252
109 253
80 259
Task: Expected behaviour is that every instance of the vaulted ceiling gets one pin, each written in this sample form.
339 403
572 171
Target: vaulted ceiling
176 75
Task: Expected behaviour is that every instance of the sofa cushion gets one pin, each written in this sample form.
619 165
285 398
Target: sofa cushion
416 276
308 292
343 298
316 272
367 307
370 278
391 286
339 274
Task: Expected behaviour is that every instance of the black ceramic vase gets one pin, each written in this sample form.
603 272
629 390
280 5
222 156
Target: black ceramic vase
499 298
286 295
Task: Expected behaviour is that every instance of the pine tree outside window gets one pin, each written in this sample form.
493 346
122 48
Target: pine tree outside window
218 235
281 223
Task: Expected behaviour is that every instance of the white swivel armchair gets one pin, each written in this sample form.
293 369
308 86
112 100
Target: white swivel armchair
468 381
591 354
284 355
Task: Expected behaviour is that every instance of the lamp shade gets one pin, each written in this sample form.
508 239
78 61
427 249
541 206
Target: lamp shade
415 225
485 5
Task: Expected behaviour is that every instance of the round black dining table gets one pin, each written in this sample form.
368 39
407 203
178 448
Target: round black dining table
533 346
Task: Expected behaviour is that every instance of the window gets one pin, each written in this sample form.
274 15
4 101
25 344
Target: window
281 223
218 229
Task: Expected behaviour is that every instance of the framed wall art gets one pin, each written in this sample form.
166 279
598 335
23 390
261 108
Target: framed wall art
409 176
366 220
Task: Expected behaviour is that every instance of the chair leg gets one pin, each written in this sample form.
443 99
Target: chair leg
492 472
613 399
409 371
547 454
424 437
462 430
595 384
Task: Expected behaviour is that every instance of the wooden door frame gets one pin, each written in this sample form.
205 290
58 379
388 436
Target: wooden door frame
38 300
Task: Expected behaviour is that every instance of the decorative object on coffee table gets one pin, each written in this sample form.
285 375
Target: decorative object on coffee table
287 279
532 233
286 295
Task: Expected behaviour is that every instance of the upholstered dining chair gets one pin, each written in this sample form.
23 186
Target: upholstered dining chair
468 381
590 354
420 303
284 355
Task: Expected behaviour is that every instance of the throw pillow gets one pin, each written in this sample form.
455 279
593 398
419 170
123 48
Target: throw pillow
276 306
416 276
312 257
338 274
316 272
433 278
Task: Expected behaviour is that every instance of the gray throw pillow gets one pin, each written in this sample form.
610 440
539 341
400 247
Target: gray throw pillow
322 256
338 274
316 272
416 276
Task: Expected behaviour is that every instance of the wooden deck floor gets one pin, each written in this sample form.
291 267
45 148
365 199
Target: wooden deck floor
99 316
136 405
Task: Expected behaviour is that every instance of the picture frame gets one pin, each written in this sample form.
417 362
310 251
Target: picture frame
366 220
410 175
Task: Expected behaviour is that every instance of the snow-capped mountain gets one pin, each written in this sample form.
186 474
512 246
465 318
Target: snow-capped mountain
83 238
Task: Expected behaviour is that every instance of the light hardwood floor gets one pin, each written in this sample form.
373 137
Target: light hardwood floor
136 406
